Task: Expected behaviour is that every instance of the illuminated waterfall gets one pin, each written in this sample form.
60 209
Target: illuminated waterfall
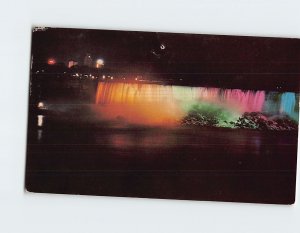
288 104
166 104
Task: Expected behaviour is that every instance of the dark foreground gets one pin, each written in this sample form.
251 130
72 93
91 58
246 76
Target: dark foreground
198 164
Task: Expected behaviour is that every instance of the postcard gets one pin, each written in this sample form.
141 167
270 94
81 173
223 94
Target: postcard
163 115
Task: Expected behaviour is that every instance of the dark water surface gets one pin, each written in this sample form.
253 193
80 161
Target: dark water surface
183 163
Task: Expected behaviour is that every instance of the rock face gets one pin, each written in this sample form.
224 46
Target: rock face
201 118
255 120
252 120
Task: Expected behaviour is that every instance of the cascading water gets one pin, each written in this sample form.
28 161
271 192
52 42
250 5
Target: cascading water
167 104
288 104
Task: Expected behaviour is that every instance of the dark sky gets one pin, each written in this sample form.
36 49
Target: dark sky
170 52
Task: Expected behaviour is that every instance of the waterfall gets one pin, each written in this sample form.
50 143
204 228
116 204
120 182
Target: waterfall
168 103
288 103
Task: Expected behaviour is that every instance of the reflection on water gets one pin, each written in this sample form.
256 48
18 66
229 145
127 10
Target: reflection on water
39 135
40 120
140 139
202 139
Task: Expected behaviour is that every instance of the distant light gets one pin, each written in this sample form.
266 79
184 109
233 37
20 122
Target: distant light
136 79
77 74
41 105
111 77
99 63
51 61
162 46
103 76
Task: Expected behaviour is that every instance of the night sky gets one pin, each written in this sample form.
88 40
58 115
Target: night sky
172 54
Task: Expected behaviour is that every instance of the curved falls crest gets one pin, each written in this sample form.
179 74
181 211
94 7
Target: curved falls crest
154 104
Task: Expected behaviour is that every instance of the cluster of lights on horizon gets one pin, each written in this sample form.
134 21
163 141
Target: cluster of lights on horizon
98 64
138 78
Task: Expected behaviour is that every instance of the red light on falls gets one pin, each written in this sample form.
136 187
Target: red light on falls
51 61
